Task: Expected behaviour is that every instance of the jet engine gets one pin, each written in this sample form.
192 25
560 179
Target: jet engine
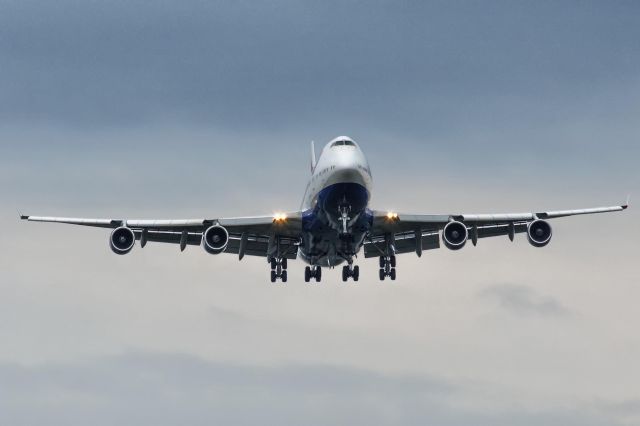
455 235
539 233
215 239
122 240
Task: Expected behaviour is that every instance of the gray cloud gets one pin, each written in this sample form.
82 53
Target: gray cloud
628 411
524 300
204 109
511 85
269 65
168 389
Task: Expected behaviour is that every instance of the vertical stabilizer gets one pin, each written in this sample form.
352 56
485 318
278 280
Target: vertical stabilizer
313 156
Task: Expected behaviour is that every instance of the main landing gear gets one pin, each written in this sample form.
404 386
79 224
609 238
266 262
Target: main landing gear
278 269
387 267
350 271
312 272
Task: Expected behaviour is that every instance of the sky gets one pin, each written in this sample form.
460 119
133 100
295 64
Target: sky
180 109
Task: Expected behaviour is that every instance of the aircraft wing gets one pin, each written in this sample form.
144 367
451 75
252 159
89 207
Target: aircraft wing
417 232
256 234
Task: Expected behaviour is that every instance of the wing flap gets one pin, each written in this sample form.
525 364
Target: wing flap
498 230
404 243
193 238
256 245
259 246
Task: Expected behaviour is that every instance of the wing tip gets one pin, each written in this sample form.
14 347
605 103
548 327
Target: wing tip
627 203
23 216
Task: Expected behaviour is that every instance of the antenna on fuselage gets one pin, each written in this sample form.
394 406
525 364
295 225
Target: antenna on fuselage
313 156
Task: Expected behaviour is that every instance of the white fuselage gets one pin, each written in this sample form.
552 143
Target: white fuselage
337 164
336 217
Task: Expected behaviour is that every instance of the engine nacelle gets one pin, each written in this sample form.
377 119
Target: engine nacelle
455 235
122 240
215 239
539 233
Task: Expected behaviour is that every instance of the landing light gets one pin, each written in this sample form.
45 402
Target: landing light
279 217
392 216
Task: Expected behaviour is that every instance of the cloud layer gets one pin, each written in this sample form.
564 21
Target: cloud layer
204 109
523 300
168 389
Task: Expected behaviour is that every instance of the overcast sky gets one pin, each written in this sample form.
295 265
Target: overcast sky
172 109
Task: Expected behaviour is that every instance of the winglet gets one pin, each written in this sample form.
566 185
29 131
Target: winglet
22 216
628 203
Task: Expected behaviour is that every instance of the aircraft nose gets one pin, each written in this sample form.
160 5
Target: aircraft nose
350 173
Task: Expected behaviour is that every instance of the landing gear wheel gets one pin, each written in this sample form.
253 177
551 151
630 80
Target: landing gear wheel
382 274
392 260
356 273
318 274
392 274
345 273
278 269
307 274
383 262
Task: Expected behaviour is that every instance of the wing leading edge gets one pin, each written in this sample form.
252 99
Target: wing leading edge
253 236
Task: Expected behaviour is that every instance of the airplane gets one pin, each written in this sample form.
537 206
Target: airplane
334 223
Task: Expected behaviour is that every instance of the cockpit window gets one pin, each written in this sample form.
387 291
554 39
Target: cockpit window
343 143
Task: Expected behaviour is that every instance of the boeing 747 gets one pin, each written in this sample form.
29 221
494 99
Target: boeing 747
333 225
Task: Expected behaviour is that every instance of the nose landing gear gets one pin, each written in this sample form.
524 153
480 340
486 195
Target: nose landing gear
387 267
345 211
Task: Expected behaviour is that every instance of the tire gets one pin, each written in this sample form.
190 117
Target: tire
393 261
284 263
356 273
283 277
345 273
392 274
381 274
307 274
273 276
273 263
382 262
318 274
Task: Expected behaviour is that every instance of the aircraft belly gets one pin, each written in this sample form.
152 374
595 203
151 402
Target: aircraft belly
323 241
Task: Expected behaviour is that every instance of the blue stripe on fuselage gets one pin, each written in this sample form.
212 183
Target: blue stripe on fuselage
351 194
322 242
